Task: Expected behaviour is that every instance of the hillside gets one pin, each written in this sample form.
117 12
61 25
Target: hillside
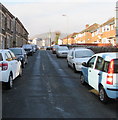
45 36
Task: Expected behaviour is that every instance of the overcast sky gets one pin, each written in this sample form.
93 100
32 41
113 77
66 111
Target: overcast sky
66 16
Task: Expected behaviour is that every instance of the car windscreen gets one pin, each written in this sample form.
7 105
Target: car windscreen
27 46
62 48
17 51
83 54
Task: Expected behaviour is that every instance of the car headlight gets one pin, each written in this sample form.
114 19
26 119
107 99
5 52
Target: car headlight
21 58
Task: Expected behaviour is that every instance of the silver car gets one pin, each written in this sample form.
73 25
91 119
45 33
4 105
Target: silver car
62 51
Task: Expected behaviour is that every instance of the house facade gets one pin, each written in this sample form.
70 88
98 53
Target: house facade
6 25
20 34
104 33
12 31
69 39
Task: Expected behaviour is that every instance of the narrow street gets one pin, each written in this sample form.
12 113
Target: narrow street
49 89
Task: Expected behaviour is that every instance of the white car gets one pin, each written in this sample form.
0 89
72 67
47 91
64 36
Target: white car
101 72
62 51
0 67
76 56
10 67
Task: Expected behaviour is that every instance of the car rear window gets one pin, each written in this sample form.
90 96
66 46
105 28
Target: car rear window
106 66
115 65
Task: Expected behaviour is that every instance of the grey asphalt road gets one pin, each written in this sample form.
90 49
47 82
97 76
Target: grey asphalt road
49 89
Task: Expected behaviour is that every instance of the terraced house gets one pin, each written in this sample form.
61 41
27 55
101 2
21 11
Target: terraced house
95 33
9 29
69 39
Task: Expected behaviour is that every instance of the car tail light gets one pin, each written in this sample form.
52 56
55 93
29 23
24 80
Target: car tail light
4 66
110 73
0 65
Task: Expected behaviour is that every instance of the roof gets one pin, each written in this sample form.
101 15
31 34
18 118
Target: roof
108 55
110 21
91 28
71 35
80 48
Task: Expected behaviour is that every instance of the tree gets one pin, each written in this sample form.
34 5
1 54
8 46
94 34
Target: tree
57 33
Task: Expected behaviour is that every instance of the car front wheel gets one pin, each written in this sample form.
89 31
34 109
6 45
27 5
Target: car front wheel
74 68
82 79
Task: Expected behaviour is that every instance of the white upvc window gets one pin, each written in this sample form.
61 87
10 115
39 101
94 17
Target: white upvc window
93 34
3 21
112 27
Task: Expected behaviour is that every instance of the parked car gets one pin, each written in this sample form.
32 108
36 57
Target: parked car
20 53
54 47
101 72
76 56
10 67
28 48
1 67
62 51
48 48
34 48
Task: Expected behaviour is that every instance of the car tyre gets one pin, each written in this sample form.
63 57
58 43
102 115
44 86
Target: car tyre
57 56
20 72
26 61
82 79
23 65
9 84
68 64
74 68
103 96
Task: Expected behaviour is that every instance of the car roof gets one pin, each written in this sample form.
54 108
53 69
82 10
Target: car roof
108 56
1 50
16 48
79 49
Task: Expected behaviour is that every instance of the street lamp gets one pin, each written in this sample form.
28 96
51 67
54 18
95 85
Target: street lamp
49 35
64 15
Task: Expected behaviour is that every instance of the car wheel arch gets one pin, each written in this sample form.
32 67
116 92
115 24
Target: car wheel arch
11 73
100 86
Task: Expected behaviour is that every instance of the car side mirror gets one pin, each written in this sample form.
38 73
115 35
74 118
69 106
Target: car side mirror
84 64
18 59
71 57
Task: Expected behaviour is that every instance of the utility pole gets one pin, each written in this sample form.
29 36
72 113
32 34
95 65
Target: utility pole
66 25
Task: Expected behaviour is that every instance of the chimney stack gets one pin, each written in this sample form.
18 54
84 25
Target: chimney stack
87 25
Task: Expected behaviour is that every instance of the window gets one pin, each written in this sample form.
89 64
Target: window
115 65
72 54
12 55
106 65
91 62
1 59
3 22
99 63
8 56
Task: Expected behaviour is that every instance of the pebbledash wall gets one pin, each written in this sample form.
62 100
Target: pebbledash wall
12 31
